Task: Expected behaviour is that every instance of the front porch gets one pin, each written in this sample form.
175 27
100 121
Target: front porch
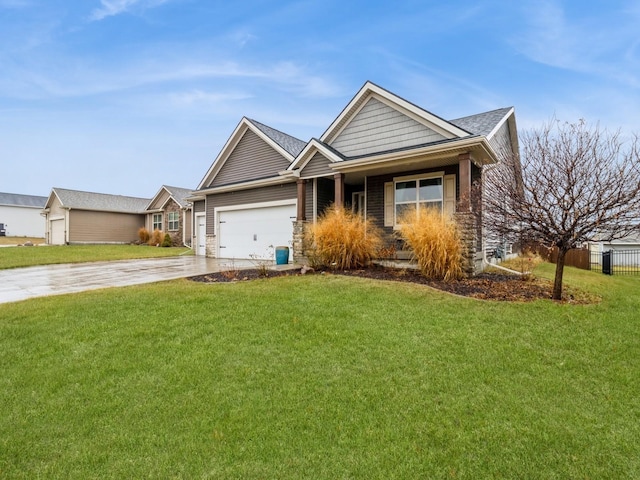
380 194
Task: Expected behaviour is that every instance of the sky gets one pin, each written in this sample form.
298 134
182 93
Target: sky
124 96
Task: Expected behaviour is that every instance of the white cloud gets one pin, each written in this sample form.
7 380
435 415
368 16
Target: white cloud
116 7
201 97
584 45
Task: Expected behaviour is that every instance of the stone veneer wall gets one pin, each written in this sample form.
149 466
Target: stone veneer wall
299 248
211 246
468 228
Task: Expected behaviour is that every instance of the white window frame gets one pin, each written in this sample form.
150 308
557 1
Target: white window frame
176 221
154 223
417 179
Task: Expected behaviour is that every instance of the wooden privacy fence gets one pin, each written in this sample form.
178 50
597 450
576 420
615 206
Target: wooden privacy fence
576 257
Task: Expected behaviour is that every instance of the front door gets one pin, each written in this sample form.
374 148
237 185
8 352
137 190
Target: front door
201 237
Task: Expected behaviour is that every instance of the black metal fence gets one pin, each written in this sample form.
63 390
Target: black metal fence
616 262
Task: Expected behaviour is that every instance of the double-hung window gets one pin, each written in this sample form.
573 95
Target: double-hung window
174 221
157 221
418 194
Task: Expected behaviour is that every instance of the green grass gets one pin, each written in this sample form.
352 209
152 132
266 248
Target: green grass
14 257
320 377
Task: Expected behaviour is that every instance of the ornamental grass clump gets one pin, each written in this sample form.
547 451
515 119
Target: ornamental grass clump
434 243
143 235
342 239
156 238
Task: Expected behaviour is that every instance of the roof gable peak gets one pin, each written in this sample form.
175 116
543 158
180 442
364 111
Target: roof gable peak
371 90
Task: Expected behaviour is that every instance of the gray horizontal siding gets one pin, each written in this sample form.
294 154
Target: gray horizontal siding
252 158
198 206
272 193
308 201
378 128
316 167
501 141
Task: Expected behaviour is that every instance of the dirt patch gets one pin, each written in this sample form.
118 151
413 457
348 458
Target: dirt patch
486 286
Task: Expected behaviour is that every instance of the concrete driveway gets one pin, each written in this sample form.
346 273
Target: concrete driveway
24 283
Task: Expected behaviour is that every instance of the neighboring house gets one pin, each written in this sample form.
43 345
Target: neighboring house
170 212
20 215
626 250
74 217
381 155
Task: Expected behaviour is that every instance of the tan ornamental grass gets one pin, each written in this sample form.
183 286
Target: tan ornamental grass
343 240
434 242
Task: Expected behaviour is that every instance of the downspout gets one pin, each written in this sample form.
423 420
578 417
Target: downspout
485 262
184 233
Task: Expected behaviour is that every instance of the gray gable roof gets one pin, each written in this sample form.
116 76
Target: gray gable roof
100 201
481 123
291 144
179 194
18 200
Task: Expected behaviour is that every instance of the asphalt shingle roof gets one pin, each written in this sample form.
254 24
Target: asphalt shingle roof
180 194
18 200
291 144
101 201
481 123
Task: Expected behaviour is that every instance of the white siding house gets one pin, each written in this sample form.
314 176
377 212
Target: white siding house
21 216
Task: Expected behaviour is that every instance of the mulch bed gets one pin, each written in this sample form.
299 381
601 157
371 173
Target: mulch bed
486 286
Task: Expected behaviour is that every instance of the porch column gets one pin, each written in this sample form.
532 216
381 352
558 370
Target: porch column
339 194
302 198
464 165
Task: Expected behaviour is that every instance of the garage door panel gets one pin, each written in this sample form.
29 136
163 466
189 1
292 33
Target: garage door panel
255 232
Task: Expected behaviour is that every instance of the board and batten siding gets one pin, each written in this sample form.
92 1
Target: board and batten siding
104 227
285 191
377 127
318 166
252 159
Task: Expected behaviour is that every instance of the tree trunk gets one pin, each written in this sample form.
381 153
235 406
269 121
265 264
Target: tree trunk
557 282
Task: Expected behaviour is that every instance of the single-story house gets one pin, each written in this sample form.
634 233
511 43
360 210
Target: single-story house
170 212
379 156
74 216
20 215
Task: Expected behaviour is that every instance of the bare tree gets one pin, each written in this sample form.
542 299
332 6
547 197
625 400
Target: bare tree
571 183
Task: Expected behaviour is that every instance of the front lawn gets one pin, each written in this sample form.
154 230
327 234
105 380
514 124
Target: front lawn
320 376
14 257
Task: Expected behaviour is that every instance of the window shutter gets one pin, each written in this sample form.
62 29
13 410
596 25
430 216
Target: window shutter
388 204
449 194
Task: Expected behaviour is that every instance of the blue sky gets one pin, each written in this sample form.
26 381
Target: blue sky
122 96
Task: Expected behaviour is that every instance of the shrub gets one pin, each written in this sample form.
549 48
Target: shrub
143 235
343 239
166 242
156 238
434 243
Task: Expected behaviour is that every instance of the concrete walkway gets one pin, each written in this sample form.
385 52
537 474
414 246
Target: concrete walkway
24 283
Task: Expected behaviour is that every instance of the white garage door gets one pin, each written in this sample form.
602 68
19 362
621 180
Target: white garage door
56 232
255 232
